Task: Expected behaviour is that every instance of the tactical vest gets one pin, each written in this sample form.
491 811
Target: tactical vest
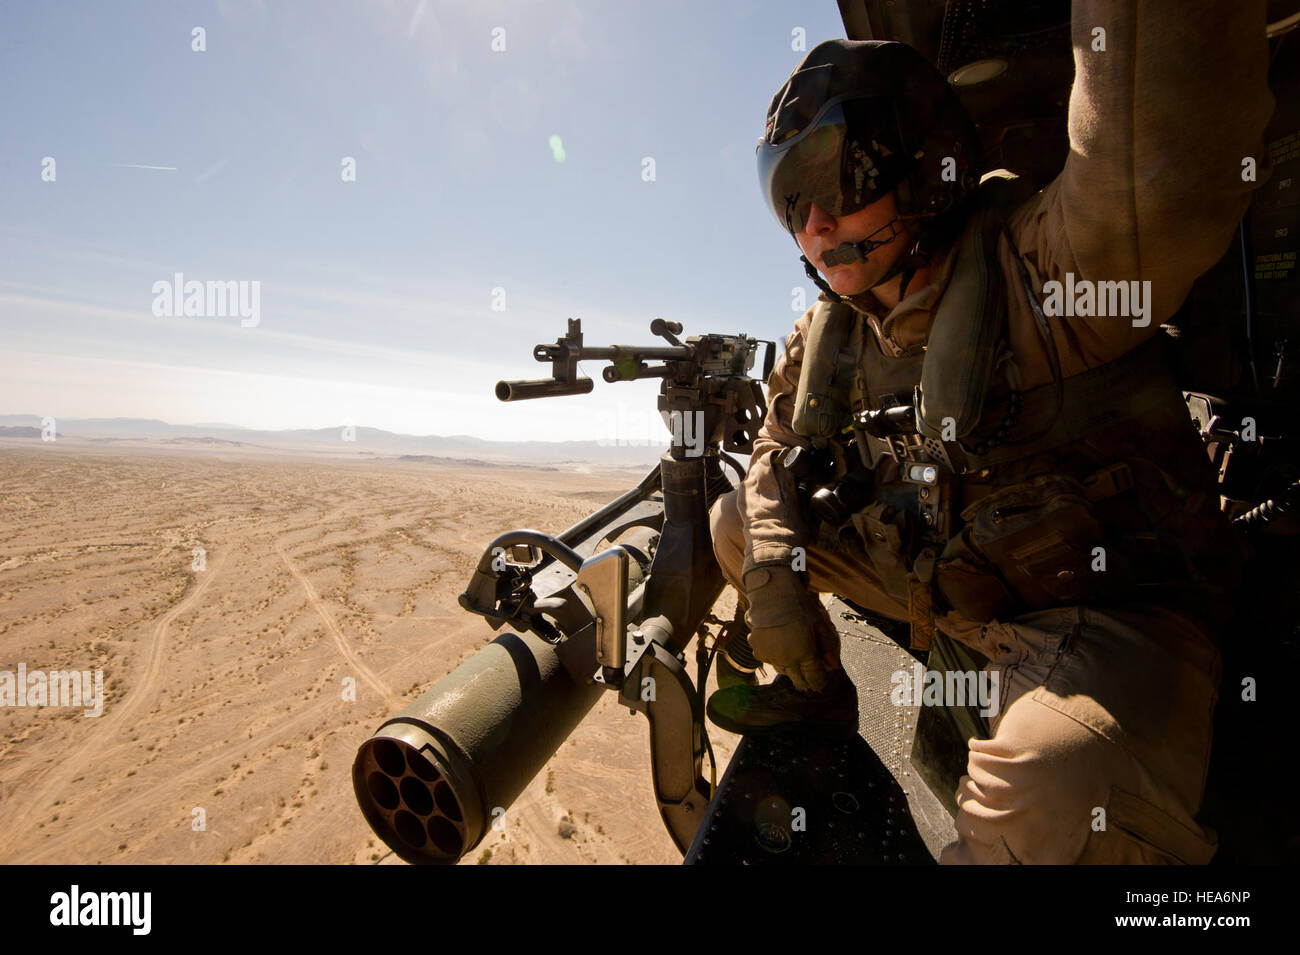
1093 489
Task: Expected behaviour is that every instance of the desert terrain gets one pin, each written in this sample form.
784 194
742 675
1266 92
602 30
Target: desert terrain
225 736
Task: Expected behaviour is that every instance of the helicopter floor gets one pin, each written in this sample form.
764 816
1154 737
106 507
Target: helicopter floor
798 796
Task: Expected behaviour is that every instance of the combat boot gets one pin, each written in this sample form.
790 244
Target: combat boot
759 709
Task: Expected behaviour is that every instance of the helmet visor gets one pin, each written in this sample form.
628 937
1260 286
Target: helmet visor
835 162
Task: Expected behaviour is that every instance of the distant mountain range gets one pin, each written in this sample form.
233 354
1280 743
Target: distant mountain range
368 441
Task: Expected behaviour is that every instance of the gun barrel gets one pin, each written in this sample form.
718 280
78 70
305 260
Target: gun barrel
434 779
639 352
522 390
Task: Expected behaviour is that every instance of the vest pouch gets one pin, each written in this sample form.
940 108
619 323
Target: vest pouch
969 584
1039 537
884 532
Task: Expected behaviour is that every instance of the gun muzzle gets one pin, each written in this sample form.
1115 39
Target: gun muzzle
435 777
541 388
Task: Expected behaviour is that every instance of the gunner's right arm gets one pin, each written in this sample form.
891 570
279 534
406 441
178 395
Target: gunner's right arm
767 497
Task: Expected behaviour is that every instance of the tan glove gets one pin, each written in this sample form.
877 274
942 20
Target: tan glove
789 627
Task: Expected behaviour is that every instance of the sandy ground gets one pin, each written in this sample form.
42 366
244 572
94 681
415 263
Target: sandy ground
225 736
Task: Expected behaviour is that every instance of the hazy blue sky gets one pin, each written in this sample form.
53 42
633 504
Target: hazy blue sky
376 295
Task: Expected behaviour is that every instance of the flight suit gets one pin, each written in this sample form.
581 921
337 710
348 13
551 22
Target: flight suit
1100 747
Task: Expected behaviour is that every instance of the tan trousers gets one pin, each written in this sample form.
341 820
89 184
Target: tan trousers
1101 744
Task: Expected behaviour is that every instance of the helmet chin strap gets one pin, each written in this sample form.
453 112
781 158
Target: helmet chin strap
820 282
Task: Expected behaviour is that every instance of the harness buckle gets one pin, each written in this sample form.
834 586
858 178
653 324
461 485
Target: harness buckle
1109 481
